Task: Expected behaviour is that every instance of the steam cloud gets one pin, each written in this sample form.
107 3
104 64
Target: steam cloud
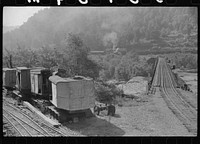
111 37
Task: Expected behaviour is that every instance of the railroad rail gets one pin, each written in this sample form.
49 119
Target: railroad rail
62 131
31 127
192 103
13 125
16 122
174 99
156 80
43 128
20 129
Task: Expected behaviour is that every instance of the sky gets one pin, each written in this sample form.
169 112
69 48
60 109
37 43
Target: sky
16 16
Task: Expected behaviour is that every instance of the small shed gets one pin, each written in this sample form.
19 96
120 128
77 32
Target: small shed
9 77
23 82
40 84
72 94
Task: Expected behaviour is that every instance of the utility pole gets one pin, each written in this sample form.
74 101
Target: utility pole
147 88
10 61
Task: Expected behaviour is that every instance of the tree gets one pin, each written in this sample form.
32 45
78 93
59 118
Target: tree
75 56
106 93
8 59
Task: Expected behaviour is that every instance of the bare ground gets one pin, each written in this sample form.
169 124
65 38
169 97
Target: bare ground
148 115
144 116
190 78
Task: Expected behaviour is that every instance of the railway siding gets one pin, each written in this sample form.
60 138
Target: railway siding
16 124
33 128
41 115
33 122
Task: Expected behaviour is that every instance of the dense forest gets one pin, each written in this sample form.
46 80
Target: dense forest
108 28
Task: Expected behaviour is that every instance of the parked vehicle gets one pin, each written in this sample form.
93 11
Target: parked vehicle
110 109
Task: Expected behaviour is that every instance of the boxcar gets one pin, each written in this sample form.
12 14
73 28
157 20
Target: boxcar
72 94
40 84
9 77
23 82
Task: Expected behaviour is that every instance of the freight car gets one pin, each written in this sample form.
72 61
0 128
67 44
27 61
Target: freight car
63 98
23 83
72 96
9 77
40 84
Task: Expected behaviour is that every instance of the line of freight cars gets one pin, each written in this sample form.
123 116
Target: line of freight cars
63 98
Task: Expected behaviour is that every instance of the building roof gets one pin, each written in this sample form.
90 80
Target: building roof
56 79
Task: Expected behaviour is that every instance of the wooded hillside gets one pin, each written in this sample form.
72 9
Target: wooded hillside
104 28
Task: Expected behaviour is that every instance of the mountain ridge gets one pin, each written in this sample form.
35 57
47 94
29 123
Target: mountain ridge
102 28
9 28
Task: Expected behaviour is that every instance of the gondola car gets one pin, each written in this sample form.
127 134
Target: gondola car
40 84
9 77
23 83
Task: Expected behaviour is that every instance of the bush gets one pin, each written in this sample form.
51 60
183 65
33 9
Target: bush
106 93
185 60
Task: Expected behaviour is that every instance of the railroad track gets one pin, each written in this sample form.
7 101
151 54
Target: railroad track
156 79
183 110
19 128
192 103
32 128
44 129
50 129
53 131
12 124
181 97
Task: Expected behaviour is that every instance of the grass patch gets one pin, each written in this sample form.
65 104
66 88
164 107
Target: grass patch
130 101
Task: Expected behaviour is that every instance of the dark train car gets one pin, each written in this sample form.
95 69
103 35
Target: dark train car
9 77
23 83
40 84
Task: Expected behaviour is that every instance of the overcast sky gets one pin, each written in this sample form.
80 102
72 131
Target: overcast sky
16 16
